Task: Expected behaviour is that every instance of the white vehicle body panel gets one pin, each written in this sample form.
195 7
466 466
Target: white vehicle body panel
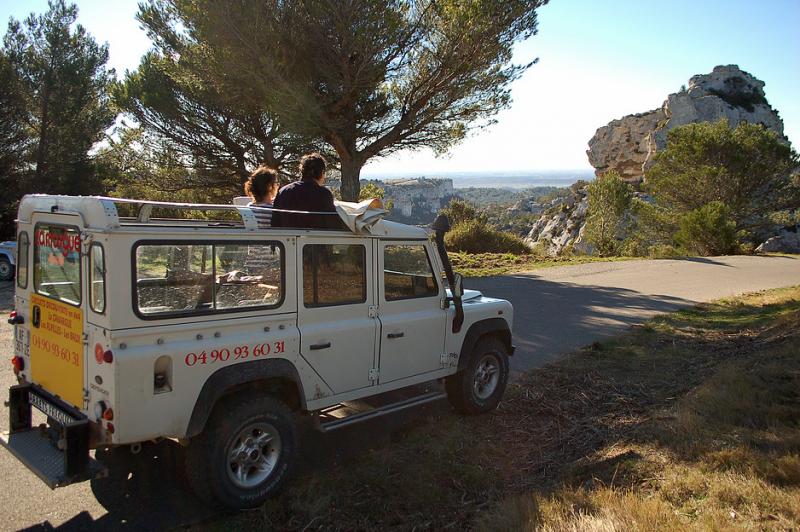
361 361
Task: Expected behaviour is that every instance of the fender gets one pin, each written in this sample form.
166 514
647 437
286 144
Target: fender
497 326
221 381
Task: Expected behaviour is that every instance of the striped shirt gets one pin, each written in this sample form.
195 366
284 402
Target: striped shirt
263 217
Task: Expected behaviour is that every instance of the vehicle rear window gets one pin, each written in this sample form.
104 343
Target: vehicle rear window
200 278
334 274
97 279
57 262
407 272
22 260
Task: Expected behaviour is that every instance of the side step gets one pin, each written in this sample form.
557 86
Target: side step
338 423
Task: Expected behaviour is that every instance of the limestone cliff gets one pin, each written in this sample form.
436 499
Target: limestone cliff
627 145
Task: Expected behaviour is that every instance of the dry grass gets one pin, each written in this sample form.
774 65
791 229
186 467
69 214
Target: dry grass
486 264
691 421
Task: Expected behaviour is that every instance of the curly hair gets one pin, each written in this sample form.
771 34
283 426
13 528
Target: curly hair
260 182
312 166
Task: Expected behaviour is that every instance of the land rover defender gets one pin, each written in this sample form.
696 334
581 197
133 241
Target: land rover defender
135 321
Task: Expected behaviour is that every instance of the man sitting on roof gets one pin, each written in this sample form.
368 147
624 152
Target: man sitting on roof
307 194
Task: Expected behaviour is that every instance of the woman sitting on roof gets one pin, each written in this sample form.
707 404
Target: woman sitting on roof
262 186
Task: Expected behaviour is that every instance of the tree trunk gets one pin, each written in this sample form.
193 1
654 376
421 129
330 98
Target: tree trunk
351 173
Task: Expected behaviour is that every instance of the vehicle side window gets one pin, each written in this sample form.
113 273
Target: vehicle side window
174 279
22 259
247 276
200 278
407 272
334 274
57 263
97 279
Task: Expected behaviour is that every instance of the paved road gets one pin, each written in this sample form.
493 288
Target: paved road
556 310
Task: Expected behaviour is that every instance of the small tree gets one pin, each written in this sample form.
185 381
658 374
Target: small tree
746 168
458 211
62 74
708 230
609 200
14 142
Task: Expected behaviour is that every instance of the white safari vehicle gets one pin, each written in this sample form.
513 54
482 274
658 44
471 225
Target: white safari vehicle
131 326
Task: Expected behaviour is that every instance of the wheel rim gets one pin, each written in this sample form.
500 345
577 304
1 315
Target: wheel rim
487 376
5 269
253 454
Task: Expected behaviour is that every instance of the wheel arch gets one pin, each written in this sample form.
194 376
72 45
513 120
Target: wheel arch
490 327
277 376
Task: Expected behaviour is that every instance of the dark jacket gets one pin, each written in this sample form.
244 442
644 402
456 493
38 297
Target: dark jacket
305 196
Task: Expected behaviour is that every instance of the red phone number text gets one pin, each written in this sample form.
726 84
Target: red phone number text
240 352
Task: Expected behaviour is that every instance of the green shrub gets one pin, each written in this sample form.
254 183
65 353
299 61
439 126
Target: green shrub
474 236
609 201
709 230
663 251
458 211
748 168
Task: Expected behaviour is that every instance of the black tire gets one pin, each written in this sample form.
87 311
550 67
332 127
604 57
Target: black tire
210 469
6 269
468 390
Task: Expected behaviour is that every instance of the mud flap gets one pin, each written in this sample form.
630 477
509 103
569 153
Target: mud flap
57 453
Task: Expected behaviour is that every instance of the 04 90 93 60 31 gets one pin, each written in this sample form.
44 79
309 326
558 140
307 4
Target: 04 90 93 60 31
237 353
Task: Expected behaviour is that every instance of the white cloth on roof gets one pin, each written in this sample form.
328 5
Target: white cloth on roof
360 217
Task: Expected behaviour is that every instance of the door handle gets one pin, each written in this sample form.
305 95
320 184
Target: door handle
36 319
395 335
315 347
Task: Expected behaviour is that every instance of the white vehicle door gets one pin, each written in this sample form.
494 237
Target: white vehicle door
411 318
336 317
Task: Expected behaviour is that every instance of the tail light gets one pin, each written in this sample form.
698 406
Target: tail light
14 318
108 414
18 363
108 357
110 428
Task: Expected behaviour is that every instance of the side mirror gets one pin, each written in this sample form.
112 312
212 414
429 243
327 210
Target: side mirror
458 286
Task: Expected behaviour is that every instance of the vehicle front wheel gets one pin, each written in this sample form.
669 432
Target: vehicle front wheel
245 453
478 387
6 269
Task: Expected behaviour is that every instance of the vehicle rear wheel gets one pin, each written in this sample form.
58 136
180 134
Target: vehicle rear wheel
6 269
478 387
245 454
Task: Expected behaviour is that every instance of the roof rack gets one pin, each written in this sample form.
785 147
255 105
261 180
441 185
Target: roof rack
100 212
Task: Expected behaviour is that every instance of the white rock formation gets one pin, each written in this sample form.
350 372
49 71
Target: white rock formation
628 144
784 242
561 226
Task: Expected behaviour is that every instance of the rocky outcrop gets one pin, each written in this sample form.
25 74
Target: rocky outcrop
784 242
627 145
561 226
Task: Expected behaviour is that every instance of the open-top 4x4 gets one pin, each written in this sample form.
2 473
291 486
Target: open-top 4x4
218 334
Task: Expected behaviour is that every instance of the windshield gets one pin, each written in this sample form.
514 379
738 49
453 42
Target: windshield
57 260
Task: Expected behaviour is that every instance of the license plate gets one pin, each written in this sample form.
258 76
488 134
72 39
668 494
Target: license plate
50 410
22 341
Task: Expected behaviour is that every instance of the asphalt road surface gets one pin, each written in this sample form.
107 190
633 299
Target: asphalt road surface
555 310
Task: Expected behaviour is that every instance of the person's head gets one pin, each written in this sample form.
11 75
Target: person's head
312 167
262 185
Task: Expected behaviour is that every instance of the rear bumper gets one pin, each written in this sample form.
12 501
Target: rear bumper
57 453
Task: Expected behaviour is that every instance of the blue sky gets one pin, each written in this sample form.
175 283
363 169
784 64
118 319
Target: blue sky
598 60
